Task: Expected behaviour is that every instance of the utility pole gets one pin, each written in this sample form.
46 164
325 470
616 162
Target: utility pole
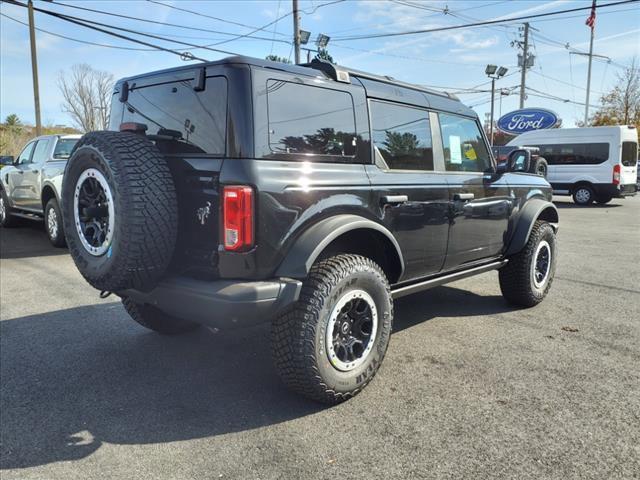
586 106
525 58
34 68
296 31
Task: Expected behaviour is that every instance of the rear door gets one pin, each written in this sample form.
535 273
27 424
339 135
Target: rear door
411 196
480 201
629 160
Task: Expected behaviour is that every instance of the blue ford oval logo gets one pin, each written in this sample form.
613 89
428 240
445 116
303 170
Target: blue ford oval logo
527 119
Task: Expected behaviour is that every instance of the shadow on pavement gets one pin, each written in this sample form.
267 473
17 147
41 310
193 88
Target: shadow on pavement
27 239
75 378
593 205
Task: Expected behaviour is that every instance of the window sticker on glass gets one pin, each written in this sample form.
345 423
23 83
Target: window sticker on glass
456 149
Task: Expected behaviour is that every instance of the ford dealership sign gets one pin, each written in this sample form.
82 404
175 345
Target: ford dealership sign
527 119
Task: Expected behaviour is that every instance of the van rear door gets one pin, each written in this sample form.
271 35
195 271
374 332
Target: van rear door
629 161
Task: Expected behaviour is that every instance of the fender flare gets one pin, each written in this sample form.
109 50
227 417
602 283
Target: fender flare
308 247
533 209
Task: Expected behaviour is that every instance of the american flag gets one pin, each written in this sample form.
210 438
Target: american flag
591 21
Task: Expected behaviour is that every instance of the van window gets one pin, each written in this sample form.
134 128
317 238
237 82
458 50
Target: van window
305 119
402 136
629 154
574 153
185 121
464 147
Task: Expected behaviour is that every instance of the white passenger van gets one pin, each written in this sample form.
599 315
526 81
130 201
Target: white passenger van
591 164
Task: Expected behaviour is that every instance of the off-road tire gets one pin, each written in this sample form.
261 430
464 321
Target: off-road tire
298 336
540 167
583 195
8 220
154 319
516 277
57 239
145 210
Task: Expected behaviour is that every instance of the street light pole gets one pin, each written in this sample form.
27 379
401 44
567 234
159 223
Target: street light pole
494 73
493 90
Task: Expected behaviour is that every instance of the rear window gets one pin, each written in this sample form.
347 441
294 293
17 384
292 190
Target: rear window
629 154
64 147
180 119
310 120
574 153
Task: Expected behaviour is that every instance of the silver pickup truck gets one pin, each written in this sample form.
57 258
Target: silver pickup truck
30 187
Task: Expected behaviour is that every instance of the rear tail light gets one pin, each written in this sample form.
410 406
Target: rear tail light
237 212
616 174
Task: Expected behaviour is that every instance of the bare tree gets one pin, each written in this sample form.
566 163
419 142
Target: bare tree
621 106
87 96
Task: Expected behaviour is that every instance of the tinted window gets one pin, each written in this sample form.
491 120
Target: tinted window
64 147
185 121
311 120
464 147
25 155
575 153
402 136
40 152
629 154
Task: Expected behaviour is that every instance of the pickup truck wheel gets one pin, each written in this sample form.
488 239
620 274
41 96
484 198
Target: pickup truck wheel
331 342
6 219
120 211
53 224
526 279
154 319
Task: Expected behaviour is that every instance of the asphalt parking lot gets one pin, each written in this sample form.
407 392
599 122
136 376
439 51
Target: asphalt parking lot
470 388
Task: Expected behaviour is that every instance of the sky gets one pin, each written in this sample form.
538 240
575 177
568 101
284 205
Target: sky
453 60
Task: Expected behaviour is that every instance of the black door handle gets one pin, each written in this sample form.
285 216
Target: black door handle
395 199
34 171
463 196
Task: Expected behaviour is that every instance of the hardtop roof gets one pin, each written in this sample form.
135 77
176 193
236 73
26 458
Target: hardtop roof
303 69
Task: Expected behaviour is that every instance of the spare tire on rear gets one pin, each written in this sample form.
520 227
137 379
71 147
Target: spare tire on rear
120 211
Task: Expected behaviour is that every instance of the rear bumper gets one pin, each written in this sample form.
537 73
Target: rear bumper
615 191
222 304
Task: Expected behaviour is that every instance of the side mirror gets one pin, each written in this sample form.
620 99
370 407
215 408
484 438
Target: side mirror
519 160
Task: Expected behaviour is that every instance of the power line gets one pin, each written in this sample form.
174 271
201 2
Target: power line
200 14
114 34
77 39
479 24
128 30
155 22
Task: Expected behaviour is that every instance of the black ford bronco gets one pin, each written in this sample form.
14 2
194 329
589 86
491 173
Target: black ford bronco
242 191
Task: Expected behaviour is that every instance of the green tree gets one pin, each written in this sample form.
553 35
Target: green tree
323 54
400 144
276 58
13 121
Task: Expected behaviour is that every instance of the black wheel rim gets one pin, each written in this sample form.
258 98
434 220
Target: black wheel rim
351 330
542 264
93 212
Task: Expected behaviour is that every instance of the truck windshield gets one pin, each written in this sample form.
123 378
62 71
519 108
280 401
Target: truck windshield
629 154
64 147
